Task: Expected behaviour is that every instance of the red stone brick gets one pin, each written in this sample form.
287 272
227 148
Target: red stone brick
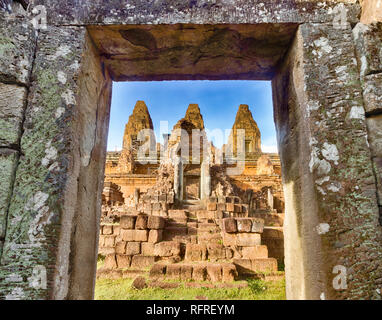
244 225
133 248
195 252
141 235
230 225
107 230
215 252
120 247
173 271
141 262
155 236
186 272
123 261
110 262
255 252
167 249
199 273
127 222
229 272
127 234
248 239
214 272
109 241
141 222
155 222
157 271
147 249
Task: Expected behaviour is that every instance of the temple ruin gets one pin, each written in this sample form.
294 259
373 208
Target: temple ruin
58 60
176 213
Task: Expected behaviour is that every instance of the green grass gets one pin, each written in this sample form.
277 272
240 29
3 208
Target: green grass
257 290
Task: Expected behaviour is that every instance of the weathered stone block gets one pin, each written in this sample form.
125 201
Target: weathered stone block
199 273
127 235
127 222
216 252
255 252
230 225
104 251
195 252
12 105
377 163
107 229
167 249
155 236
141 262
116 230
141 222
133 248
211 206
173 271
155 222
214 272
157 271
244 225
372 93
109 241
123 261
141 235
120 247
374 125
186 272
8 163
229 272
17 45
147 249
248 239
229 239
177 214
110 262
273 232
257 225
368 42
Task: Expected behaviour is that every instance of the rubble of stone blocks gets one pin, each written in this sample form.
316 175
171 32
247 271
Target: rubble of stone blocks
227 206
219 243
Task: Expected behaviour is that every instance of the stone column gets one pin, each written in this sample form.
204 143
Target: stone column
331 219
178 178
205 180
55 208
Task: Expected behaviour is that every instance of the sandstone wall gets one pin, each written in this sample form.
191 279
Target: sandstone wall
53 150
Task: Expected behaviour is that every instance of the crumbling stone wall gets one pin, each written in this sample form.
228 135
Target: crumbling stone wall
53 149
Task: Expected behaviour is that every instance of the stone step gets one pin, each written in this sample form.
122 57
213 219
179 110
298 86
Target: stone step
251 266
177 214
271 219
170 232
215 272
273 233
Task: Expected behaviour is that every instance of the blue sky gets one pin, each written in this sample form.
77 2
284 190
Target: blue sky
218 102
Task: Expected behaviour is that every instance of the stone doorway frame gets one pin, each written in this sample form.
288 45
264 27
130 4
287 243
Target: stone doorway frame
329 183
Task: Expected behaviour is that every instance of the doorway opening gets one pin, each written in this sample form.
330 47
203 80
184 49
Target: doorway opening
196 128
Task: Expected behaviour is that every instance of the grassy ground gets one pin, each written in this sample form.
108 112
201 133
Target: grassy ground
257 290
